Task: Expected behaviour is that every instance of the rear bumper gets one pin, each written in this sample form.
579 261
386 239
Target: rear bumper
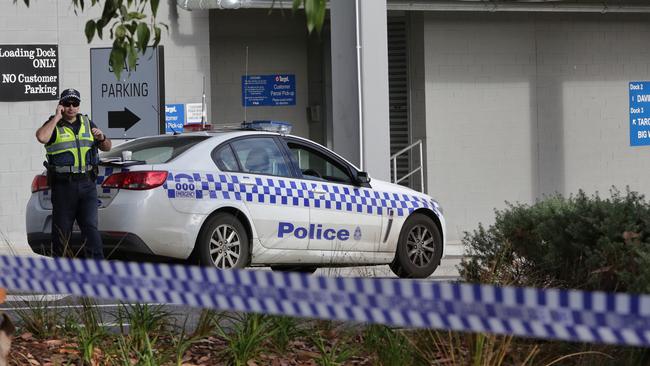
116 245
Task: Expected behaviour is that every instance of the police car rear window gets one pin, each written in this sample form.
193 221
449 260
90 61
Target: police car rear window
156 150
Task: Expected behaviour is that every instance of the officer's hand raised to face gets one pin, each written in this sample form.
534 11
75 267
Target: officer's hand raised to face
59 112
99 135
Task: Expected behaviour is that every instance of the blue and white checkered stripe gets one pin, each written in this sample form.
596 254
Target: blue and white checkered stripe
272 190
544 313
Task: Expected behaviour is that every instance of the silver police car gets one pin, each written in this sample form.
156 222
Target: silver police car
244 197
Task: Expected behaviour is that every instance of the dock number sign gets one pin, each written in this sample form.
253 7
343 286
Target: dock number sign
29 72
132 106
640 113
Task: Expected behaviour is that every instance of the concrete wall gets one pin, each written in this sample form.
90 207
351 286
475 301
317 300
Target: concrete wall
53 22
523 105
277 44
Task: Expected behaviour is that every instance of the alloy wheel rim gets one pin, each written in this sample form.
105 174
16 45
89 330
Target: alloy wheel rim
225 247
420 246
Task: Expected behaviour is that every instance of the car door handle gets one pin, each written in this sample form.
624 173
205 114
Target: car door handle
248 181
316 191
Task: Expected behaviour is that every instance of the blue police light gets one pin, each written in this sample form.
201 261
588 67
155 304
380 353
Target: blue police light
268 125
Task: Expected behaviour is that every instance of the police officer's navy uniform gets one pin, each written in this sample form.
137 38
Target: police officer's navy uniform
72 158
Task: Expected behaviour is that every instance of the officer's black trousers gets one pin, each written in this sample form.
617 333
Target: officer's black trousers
75 199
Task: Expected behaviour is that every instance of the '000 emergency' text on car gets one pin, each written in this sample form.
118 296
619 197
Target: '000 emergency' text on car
238 198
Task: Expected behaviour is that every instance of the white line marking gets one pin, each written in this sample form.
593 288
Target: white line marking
79 306
16 298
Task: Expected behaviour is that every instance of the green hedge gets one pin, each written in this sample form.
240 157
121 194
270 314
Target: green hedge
583 242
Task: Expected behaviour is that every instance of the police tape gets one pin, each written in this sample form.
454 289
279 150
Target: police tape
543 313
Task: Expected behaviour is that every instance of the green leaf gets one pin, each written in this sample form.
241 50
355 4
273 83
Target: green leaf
120 32
319 17
118 54
311 14
154 7
156 30
134 15
90 30
143 37
110 10
296 4
132 56
100 27
132 27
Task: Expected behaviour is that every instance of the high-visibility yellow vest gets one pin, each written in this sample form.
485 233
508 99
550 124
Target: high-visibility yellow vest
67 142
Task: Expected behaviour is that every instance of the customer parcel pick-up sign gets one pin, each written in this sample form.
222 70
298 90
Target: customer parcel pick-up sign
29 72
132 106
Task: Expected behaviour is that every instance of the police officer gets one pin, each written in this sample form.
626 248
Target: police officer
71 142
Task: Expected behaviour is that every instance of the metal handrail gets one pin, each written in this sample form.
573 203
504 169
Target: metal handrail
393 159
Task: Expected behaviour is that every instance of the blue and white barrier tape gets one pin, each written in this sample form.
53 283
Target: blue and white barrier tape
543 313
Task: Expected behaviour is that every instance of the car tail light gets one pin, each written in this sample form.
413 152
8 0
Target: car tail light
39 183
138 181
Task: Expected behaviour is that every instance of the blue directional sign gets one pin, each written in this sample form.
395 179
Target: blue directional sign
639 113
268 90
174 118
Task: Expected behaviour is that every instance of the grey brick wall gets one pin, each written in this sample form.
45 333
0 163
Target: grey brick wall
53 22
524 105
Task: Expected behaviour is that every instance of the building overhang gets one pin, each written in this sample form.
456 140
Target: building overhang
565 6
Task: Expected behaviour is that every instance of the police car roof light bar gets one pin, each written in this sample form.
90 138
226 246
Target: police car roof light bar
268 125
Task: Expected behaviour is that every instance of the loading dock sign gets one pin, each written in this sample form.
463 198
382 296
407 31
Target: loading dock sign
133 105
640 113
29 72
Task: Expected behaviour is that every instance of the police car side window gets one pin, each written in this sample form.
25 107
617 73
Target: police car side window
225 159
260 155
317 166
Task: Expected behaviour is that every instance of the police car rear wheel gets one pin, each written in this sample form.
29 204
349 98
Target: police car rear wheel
223 243
419 248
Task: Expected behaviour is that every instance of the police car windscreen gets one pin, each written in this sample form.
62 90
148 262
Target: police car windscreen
154 150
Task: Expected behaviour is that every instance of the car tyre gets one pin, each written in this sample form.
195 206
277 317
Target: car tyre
223 243
419 248
299 269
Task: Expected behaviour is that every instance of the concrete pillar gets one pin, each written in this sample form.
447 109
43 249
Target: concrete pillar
345 129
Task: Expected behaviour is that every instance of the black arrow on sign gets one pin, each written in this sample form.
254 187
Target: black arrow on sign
122 119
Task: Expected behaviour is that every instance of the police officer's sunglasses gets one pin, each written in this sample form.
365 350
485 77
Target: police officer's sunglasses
70 103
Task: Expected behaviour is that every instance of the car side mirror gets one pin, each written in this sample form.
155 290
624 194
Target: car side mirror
363 178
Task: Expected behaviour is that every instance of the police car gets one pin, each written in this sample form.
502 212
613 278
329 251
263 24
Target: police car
243 197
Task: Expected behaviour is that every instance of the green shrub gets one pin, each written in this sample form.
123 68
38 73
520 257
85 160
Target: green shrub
581 242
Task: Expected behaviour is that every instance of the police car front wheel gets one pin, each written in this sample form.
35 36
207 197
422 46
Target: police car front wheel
419 248
223 243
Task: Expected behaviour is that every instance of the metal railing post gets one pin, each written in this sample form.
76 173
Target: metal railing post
420 168
394 170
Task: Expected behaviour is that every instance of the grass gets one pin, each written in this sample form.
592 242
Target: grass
39 318
391 346
246 335
147 335
333 352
